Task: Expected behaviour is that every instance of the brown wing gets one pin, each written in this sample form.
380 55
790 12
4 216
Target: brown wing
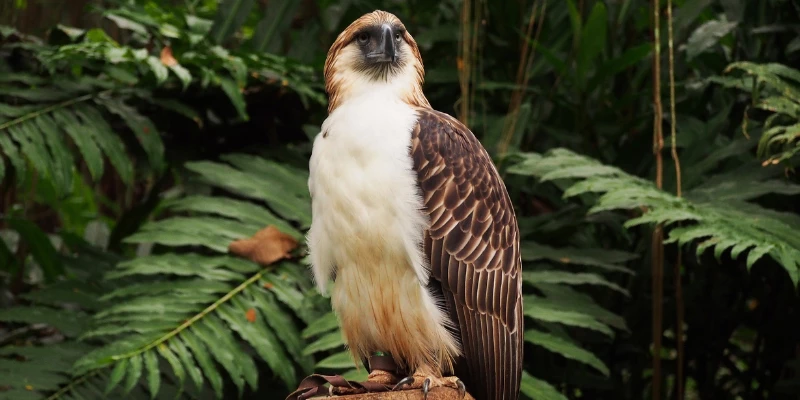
473 247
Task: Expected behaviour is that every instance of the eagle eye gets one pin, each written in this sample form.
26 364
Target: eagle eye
397 36
362 38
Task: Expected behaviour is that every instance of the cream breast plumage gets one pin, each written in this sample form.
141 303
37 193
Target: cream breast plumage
413 223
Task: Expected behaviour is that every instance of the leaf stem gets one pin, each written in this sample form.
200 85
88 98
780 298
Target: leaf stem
48 109
165 337
195 318
73 383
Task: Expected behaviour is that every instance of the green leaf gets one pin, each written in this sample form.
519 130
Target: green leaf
593 39
173 361
601 258
40 247
330 341
126 23
540 309
224 348
570 278
260 336
612 67
62 160
153 373
116 376
706 36
159 70
142 128
566 348
16 159
177 346
88 148
214 233
754 228
210 268
576 23
283 326
195 344
337 361
183 74
276 20
325 324
234 93
566 298
258 187
95 125
231 15
134 372
538 389
31 144
236 209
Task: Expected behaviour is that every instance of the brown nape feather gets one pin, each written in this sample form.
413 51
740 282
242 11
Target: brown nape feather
335 69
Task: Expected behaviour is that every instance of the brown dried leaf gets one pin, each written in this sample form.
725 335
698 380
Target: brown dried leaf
265 247
167 58
250 315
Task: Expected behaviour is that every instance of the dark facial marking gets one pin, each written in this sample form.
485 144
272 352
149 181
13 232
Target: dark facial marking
381 49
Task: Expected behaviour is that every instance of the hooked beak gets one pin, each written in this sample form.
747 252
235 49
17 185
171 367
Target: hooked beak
385 51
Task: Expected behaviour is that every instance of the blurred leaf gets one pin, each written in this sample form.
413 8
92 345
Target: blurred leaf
593 39
234 93
274 23
706 36
565 348
39 246
231 16
538 389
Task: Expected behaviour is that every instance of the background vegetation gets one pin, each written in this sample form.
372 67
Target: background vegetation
140 138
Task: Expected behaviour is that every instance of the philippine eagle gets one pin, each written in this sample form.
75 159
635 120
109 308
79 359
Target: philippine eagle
412 221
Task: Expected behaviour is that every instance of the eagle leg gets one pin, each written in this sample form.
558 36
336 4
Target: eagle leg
423 379
382 376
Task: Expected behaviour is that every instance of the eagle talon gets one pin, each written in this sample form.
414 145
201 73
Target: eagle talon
462 390
409 380
425 388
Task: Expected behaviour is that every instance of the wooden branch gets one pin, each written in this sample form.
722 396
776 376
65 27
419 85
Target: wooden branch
438 393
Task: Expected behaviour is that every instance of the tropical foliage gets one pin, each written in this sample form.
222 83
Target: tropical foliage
153 166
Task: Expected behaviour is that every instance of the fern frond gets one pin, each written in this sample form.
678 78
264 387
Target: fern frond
161 313
775 88
725 224
31 370
36 134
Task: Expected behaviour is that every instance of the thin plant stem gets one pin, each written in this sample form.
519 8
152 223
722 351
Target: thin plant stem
679 317
54 107
657 243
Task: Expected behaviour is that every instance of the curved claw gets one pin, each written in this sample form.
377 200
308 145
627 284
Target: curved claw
403 382
462 390
425 388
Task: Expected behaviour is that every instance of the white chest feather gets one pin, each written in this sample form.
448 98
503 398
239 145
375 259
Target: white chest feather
364 189
367 230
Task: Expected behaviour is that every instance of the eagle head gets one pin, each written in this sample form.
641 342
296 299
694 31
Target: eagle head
374 52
